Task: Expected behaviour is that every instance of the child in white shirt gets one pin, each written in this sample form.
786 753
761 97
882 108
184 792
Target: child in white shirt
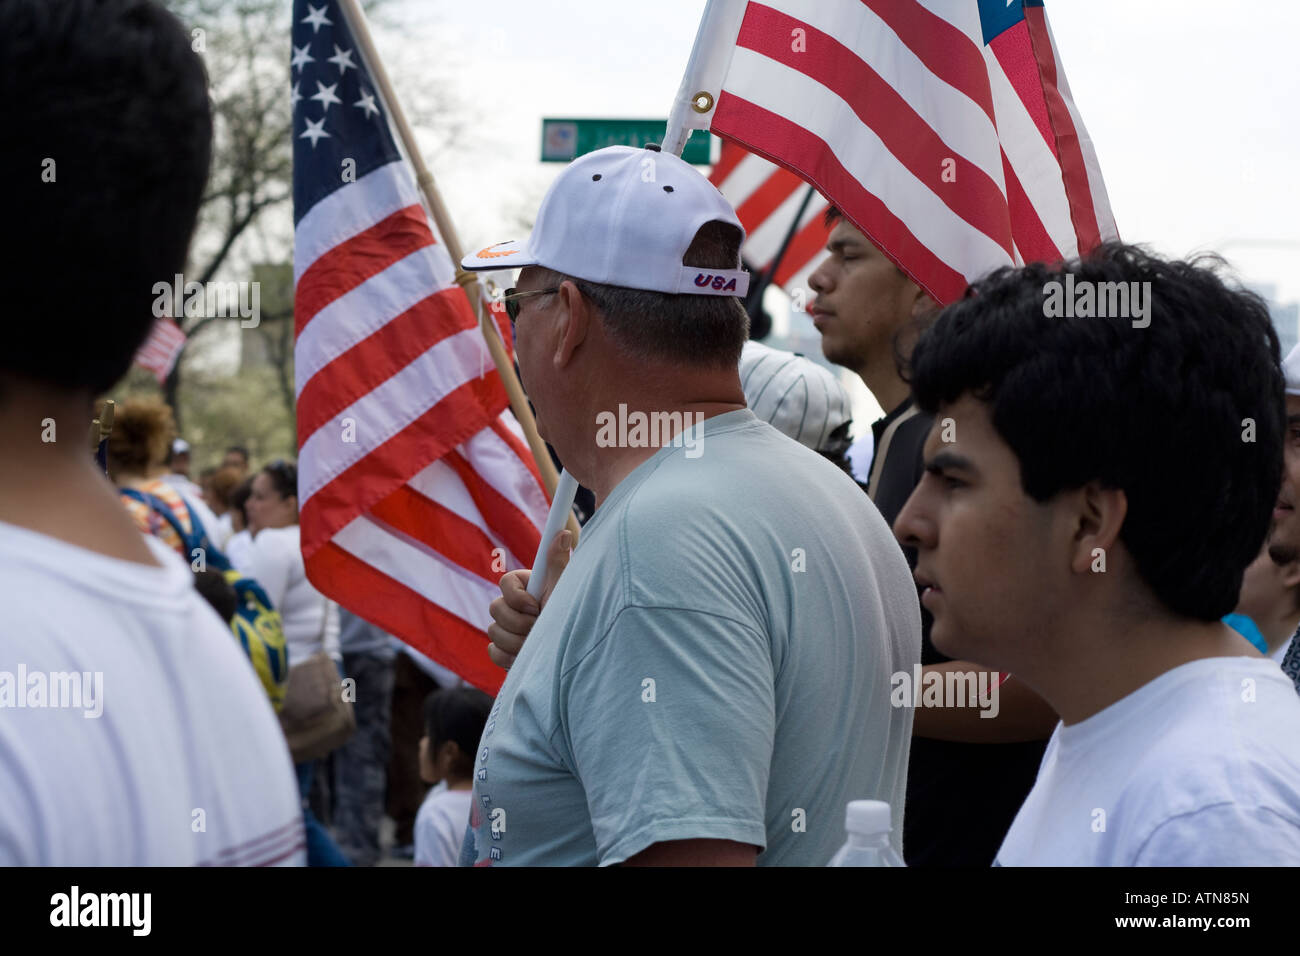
454 721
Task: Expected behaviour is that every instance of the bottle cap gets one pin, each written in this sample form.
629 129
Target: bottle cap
867 816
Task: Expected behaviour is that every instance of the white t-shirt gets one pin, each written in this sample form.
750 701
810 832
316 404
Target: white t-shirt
861 452
1199 767
440 826
310 620
225 529
164 750
239 549
1280 654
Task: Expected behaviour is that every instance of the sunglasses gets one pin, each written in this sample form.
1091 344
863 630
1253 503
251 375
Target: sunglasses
512 297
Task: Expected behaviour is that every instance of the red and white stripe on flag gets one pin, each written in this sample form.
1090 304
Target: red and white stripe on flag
161 349
416 485
944 129
767 198
417 488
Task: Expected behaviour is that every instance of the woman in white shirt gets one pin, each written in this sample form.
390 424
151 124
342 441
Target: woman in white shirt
311 621
275 561
240 546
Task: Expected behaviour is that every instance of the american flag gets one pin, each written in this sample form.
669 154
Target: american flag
944 129
161 349
416 486
767 198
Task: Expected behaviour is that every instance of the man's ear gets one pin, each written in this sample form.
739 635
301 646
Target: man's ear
1099 517
574 323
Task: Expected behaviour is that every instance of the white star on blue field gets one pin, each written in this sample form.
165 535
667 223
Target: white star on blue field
337 113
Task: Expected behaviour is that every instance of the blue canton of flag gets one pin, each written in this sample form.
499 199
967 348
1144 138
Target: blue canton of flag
337 115
997 16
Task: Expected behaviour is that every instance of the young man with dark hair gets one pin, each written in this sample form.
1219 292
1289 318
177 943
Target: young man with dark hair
868 313
1111 473
969 772
710 676
1284 535
107 141
236 457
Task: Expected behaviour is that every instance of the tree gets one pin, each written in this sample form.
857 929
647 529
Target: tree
245 47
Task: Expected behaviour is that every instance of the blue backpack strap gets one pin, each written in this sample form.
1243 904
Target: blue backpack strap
196 539
214 556
160 508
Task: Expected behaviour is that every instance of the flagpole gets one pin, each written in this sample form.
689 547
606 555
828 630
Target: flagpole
754 300
697 97
466 280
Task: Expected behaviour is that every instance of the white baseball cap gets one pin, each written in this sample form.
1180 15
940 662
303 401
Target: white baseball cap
625 217
1291 371
793 394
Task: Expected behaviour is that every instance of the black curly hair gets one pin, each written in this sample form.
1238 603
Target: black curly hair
1185 415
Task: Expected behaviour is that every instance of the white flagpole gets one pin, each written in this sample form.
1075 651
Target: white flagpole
697 97
561 511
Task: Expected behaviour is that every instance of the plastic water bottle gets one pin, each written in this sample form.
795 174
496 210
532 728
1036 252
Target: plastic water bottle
868 824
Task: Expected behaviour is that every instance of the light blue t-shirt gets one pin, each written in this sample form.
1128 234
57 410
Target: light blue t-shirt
714 663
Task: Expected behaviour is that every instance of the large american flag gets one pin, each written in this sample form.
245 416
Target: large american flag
767 199
944 129
416 486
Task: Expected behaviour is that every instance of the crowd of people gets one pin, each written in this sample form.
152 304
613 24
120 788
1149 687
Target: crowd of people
1092 521
169 751
253 517
1090 507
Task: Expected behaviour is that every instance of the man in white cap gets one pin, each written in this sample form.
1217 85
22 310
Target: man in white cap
708 682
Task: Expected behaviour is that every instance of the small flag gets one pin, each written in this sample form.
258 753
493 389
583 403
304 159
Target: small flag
161 349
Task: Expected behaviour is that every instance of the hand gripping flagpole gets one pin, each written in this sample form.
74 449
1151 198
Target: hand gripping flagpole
564 492
467 281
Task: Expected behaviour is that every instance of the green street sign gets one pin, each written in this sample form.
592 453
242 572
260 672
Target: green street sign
564 140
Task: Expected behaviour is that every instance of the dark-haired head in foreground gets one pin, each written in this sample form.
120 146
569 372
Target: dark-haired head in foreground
107 140
104 152
1095 484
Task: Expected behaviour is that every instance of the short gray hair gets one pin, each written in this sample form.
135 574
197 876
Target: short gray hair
703 330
